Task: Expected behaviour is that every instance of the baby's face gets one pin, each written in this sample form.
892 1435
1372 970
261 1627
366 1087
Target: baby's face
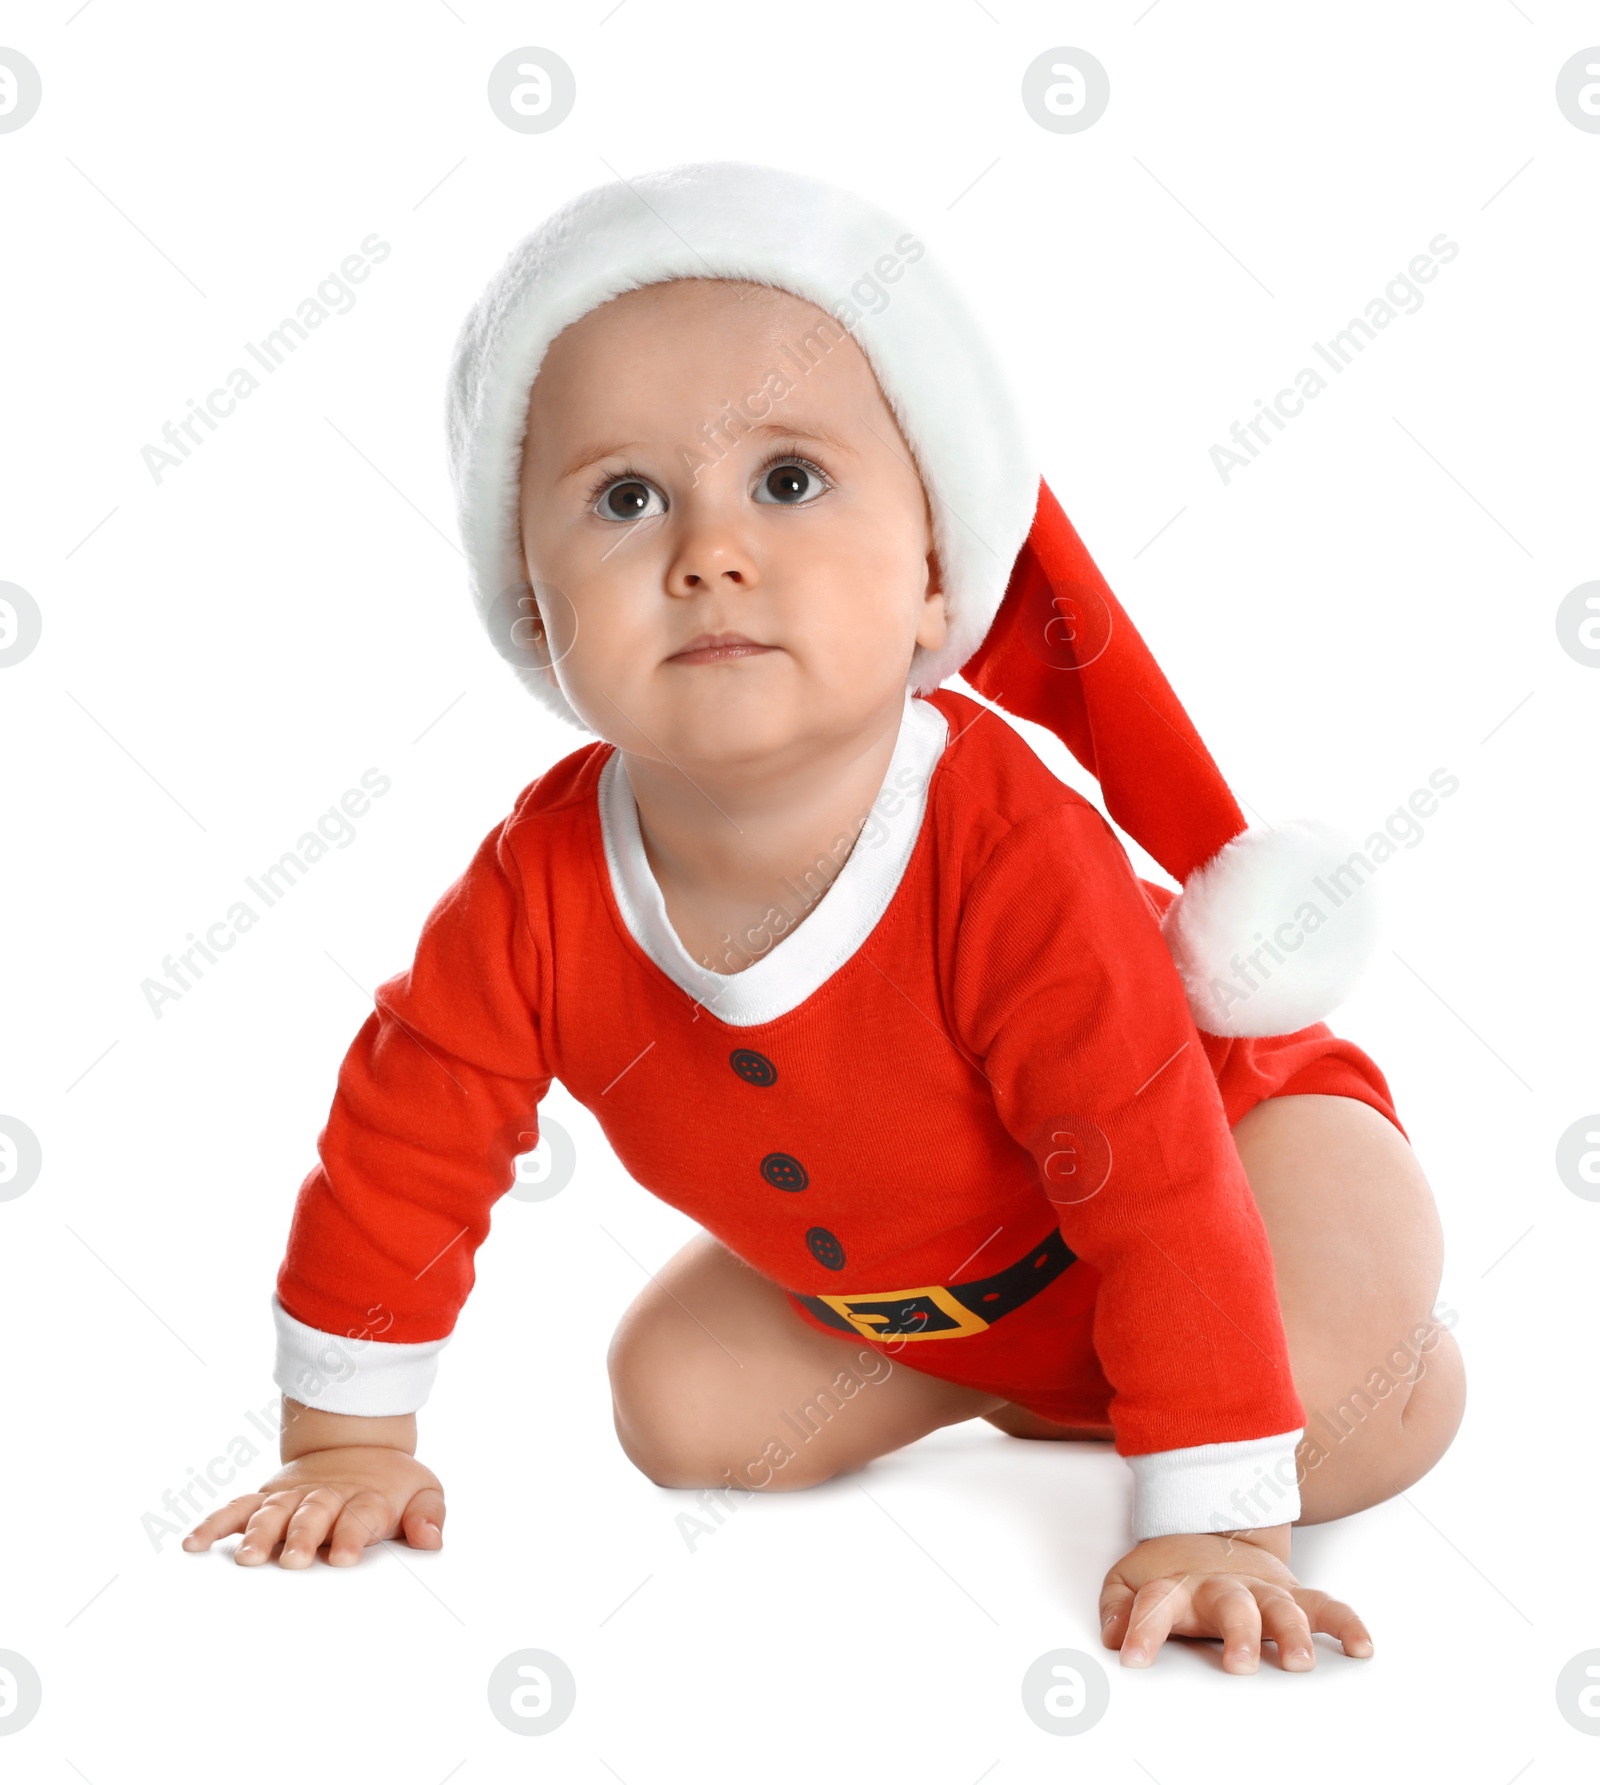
652 514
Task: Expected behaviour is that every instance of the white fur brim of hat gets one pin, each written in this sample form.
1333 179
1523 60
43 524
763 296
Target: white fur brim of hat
861 266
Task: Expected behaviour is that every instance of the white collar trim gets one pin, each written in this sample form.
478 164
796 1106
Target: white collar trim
841 919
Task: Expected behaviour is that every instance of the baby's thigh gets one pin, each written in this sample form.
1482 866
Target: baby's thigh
1354 1229
715 1379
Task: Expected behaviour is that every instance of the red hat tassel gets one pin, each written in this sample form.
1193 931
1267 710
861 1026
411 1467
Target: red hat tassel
1063 653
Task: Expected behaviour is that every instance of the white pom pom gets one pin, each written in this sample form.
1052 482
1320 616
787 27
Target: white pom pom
1272 933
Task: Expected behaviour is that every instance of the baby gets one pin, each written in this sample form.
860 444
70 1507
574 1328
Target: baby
849 976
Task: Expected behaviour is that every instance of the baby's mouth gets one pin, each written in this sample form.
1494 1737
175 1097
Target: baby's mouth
719 647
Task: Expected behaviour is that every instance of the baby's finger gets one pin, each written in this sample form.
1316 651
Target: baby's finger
1335 1618
1283 1621
265 1528
1116 1601
1230 1608
423 1519
1157 1606
362 1521
223 1522
308 1524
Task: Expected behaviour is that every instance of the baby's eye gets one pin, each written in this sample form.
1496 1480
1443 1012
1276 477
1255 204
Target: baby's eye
792 483
628 499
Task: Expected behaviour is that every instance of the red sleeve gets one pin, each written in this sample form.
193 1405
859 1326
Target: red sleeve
1066 992
435 1099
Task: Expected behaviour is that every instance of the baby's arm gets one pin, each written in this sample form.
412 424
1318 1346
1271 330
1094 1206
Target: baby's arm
1064 989
347 1481
436 1097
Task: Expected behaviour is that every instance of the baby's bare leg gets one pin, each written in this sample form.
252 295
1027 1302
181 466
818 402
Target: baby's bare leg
715 1378
1022 1422
1357 1250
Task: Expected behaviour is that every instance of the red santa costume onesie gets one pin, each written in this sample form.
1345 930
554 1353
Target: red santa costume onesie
976 1108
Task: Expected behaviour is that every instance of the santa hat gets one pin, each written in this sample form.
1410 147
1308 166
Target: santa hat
1032 624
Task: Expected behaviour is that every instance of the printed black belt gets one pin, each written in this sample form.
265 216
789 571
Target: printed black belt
944 1310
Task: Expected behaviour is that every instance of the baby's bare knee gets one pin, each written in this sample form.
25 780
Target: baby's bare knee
672 1424
651 1406
1437 1399
1386 1429
677 1428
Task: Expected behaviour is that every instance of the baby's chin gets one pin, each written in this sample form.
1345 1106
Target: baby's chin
724 714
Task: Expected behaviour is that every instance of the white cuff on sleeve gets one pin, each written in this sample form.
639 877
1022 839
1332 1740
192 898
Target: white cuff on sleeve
342 1375
1216 1487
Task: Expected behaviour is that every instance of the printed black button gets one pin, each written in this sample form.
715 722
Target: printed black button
784 1171
825 1248
753 1068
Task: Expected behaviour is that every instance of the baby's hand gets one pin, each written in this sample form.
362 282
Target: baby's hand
1232 1586
361 1493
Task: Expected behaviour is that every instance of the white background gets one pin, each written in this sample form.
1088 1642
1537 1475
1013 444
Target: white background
224 653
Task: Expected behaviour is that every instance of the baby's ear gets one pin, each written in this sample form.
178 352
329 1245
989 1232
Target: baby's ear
934 627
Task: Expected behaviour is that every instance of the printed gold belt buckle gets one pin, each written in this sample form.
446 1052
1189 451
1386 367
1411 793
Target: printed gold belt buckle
935 1300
